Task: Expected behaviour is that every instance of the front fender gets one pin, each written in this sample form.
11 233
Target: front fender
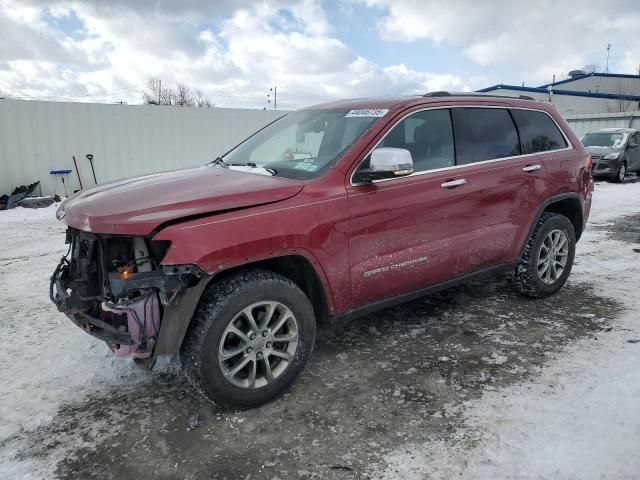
316 231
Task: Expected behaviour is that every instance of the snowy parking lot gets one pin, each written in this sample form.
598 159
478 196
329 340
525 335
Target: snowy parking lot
474 382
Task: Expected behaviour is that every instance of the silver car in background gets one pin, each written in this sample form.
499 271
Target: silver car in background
614 151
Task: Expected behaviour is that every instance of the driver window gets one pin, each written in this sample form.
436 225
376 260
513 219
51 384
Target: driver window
428 135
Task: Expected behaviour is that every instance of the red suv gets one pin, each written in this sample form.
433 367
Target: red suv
328 213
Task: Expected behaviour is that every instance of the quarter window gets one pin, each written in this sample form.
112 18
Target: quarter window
484 134
538 133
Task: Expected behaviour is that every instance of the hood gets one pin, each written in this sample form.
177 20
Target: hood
136 206
602 151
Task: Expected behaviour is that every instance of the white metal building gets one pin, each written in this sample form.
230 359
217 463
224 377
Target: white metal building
583 93
37 137
591 122
125 140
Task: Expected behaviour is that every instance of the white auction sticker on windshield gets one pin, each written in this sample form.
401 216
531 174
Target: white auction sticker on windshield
367 112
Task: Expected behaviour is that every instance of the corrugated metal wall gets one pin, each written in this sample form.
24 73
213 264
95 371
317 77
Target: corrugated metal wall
126 140
603 84
574 105
582 124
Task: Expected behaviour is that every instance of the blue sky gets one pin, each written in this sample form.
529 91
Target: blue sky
234 50
363 38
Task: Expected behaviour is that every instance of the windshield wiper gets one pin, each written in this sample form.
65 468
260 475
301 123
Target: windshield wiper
272 171
221 163
218 161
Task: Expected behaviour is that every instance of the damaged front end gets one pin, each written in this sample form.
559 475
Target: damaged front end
115 288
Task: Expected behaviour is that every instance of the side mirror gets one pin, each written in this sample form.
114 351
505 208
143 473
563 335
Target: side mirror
387 162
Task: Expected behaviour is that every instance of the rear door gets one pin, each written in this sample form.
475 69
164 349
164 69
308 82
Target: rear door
508 176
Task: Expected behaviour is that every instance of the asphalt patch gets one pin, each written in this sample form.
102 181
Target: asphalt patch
625 229
398 376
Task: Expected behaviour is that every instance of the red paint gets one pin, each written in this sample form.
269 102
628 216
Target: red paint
345 230
136 206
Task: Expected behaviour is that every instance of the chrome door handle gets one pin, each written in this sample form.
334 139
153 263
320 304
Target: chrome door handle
453 183
532 168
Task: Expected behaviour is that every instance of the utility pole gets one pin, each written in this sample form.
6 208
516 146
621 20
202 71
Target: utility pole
606 70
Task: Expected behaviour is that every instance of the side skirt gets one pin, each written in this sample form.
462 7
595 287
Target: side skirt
406 297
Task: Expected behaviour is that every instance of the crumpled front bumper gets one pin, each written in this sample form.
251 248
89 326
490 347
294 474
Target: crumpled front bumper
174 291
68 300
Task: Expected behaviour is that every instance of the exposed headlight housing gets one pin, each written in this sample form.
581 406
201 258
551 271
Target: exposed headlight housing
612 156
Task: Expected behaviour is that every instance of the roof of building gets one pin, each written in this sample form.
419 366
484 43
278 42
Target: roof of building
573 93
587 75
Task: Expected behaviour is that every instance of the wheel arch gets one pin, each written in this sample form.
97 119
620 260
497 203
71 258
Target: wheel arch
179 316
296 268
567 204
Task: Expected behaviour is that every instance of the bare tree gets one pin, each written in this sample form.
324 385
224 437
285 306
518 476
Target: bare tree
181 96
202 101
621 105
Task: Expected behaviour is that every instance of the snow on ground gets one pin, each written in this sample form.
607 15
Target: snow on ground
44 363
580 418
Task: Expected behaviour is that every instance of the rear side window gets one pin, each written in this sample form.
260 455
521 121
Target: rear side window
484 134
538 133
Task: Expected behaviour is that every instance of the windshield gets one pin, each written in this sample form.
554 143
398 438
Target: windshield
604 139
303 144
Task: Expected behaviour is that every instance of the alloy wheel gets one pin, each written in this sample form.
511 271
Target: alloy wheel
553 256
258 345
622 172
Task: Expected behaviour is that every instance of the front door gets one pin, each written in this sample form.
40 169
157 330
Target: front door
633 152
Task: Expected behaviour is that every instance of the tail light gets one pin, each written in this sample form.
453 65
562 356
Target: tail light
589 162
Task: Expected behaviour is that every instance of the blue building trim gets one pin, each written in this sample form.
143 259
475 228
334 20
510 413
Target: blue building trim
604 75
572 93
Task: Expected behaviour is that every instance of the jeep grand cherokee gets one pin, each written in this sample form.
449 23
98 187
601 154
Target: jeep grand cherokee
329 212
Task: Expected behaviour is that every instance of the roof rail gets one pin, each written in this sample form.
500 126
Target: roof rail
440 93
444 93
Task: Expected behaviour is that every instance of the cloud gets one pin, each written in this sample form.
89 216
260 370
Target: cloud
233 50
534 40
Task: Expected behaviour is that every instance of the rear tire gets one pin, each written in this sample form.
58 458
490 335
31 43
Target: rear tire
264 317
548 257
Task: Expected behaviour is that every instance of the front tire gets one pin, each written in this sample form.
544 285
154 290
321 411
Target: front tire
548 257
622 172
250 338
